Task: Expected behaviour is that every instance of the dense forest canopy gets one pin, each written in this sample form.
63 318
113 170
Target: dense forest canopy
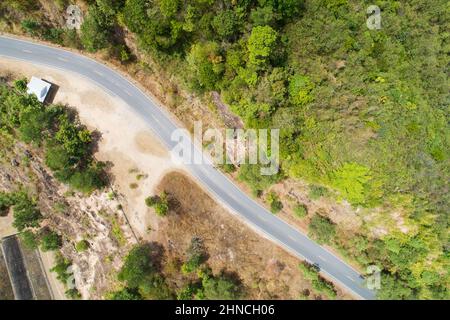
363 112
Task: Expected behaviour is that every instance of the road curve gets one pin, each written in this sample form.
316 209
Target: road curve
223 189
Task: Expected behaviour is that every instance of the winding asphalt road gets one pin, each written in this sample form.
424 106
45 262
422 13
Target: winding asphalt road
218 184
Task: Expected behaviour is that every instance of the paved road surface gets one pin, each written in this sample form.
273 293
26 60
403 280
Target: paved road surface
218 184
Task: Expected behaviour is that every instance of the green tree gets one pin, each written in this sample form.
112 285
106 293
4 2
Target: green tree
219 287
25 213
225 24
205 64
260 45
96 30
137 266
300 88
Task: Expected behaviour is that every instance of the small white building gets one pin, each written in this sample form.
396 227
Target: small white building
38 87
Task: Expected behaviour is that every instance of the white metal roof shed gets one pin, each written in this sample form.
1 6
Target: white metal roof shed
39 87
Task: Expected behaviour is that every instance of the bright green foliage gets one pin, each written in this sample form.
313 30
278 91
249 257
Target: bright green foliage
352 181
205 63
169 8
82 245
260 45
159 203
322 229
68 151
300 88
21 85
140 272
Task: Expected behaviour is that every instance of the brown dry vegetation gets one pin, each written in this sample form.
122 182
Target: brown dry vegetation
266 270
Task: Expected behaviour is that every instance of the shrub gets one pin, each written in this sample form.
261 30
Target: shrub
82 245
300 210
21 84
126 294
316 192
322 229
25 213
274 201
50 240
29 239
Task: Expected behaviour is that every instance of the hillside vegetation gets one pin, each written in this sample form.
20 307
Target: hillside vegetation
362 112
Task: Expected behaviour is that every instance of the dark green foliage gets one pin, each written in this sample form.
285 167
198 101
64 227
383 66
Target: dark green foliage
6 201
29 239
50 240
126 294
363 113
95 30
140 272
61 268
25 213
220 287
322 229
21 84
138 264
274 201
73 294
68 147
318 283
225 24
251 174
31 27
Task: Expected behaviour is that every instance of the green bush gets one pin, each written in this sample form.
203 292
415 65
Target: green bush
316 192
50 241
25 213
300 210
125 294
82 245
322 229
274 201
29 239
